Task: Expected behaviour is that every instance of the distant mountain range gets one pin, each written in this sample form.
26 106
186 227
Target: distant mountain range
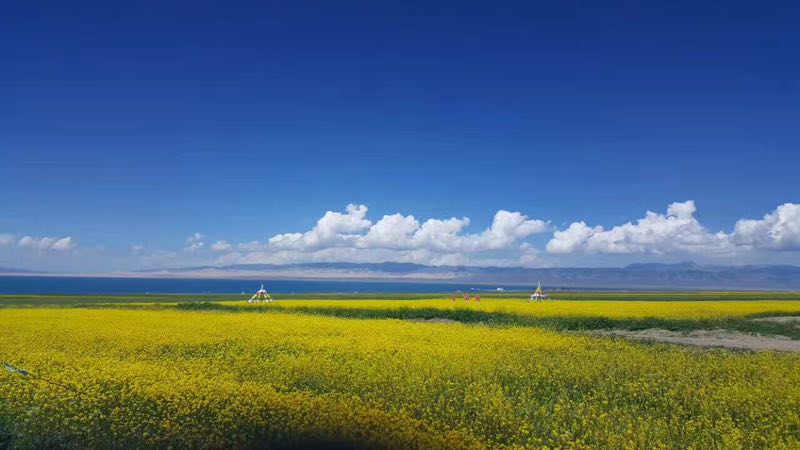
13 270
680 276
686 275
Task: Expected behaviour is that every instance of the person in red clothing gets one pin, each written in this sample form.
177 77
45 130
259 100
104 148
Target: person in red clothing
478 298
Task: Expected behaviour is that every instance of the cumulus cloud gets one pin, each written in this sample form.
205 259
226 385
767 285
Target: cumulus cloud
678 231
573 238
508 228
399 232
334 228
440 235
446 235
222 246
392 231
46 243
351 236
778 230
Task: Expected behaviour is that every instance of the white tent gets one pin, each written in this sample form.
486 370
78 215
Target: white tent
539 294
261 296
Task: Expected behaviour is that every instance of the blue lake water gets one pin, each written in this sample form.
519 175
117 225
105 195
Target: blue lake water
106 286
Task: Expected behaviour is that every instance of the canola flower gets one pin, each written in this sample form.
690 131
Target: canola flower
162 378
561 309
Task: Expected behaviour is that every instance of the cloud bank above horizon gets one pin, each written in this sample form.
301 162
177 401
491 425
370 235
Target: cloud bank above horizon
678 231
512 239
350 236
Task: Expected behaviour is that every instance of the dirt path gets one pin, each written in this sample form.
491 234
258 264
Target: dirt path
710 338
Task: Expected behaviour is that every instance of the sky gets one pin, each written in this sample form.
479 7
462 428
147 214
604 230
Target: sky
163 134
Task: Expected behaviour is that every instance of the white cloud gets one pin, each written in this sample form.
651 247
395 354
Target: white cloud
195 242
62 244
30 242
682 210
392 231
196 237
252 246
222 246
351 236
401 232
508 228
332 229
46 243
137 248
678 231
529 255
195 246
6 239
573 238
446 235
778 230
440 235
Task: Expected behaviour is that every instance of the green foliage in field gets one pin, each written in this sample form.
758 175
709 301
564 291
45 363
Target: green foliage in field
72 300
726 316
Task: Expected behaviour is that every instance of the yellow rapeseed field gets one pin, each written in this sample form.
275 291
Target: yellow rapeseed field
609 309
209 379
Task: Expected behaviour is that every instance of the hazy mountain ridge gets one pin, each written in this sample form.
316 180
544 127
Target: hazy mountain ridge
686 275
14 270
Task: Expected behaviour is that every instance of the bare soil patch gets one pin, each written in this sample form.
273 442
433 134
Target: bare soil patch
434 320
710 338
795 320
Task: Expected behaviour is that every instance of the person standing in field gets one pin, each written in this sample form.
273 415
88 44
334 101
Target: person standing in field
478 298
466 298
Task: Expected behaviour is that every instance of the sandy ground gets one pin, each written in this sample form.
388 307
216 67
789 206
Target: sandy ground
710 338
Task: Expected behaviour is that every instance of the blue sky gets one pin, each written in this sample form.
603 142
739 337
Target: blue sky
129 128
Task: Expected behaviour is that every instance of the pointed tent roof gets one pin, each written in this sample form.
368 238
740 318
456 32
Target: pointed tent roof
539 288
260 295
